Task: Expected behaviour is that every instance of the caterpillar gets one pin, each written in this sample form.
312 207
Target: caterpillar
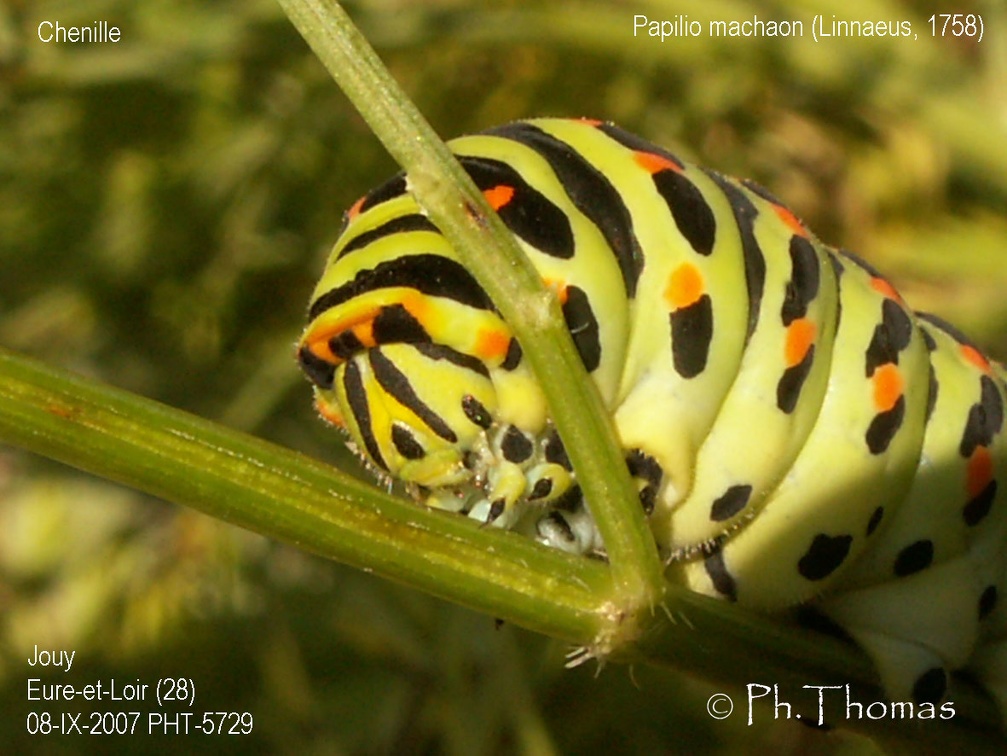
798 436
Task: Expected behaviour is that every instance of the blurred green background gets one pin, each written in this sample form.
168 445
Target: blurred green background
166 204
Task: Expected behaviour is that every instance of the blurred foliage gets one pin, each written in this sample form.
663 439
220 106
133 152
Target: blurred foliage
166 204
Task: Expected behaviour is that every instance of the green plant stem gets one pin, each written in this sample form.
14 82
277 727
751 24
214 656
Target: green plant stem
489 250
285 495
280 493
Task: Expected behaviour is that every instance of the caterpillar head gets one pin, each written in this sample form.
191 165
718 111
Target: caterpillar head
381 397
410 358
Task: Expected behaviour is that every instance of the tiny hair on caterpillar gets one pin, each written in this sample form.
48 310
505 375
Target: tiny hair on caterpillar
797 434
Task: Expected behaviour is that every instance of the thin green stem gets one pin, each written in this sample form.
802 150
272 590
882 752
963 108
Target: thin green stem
285 495
491 253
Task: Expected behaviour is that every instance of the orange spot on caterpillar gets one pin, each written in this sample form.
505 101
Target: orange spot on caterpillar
790 220
882 286
800 336
655 163
888 386
685 286
321 349
980 471
361 325
354 210
365 333
329 412
498 196
419 306
977 358
591 121
492 344
558 286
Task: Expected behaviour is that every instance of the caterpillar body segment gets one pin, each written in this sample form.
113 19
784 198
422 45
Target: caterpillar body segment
798 435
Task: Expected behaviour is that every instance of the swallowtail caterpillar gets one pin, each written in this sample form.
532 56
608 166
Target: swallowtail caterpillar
798 435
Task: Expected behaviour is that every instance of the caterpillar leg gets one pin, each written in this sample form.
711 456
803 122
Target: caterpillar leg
571 530
507 473
569 526
510 487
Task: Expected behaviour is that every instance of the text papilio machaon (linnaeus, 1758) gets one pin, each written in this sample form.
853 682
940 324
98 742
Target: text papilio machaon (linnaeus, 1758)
798 436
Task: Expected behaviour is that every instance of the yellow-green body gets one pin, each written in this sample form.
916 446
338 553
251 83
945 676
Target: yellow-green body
798 435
